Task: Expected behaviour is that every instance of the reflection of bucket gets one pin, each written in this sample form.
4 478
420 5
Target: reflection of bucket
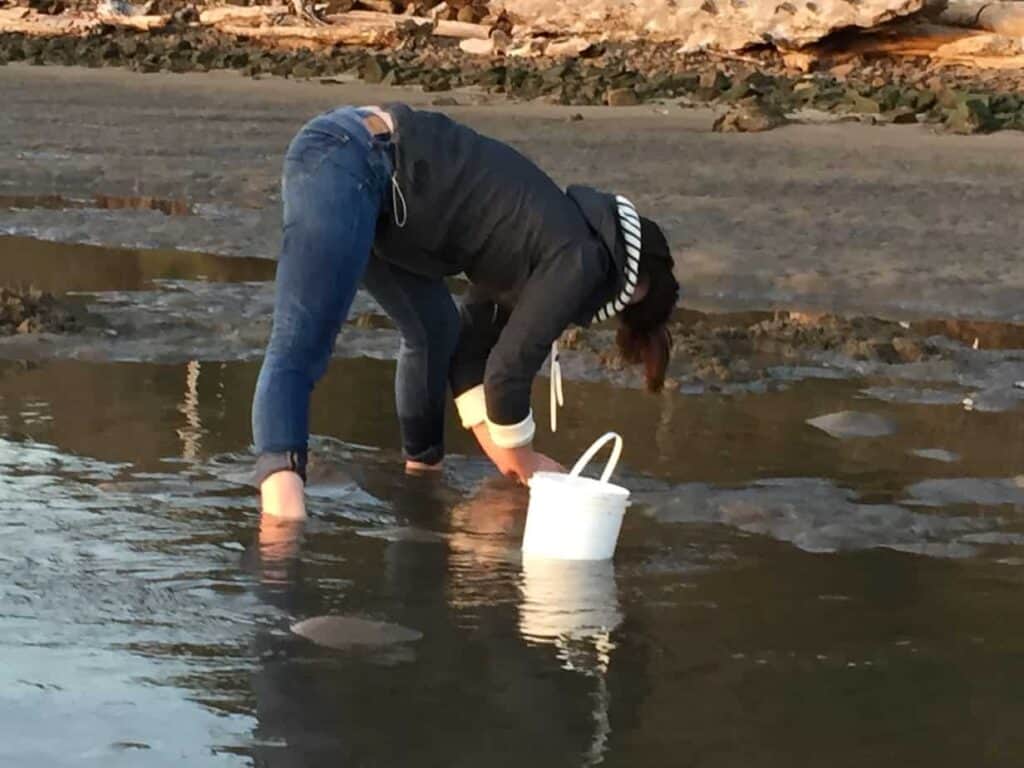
574 600
576 518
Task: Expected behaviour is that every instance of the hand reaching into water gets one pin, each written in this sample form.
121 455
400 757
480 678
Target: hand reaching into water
517 463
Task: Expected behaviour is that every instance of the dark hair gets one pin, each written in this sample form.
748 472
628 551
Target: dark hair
643 335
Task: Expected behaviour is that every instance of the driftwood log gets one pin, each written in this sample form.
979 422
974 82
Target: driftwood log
240 14
27 22
256 22
942 44
1003 18
303 35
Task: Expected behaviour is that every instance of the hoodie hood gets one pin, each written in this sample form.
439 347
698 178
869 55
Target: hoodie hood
615 220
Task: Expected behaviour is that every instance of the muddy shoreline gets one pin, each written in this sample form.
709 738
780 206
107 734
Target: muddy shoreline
895 221
173 308
759 92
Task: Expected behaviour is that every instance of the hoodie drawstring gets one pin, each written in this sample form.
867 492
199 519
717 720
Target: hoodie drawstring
557 396
396 198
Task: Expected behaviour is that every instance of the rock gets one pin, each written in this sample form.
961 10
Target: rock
494 76
347 633
151 63
850 424
862 105
912 350
557 74
374 69
129 47
445 101
829 96
621 97
739 90
937 454
842 71
407 534
1005 103
700 24
437 81
33 311
469 14
889 97
970 115
974 491
750 116
711 84
904 116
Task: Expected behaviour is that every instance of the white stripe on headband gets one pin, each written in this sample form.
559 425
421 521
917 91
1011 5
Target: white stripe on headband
629 224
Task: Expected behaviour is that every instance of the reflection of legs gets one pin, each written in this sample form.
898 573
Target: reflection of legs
330 216
423 310
191 435
278 548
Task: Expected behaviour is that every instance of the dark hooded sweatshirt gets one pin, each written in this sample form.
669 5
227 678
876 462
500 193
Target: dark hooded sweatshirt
539 259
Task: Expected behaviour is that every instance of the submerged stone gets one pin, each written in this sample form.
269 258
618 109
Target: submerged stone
347 632
937 454
849 424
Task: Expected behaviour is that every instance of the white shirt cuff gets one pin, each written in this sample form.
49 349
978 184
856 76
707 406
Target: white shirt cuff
472 407
513 435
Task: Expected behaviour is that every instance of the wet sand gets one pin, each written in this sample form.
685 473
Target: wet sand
894 219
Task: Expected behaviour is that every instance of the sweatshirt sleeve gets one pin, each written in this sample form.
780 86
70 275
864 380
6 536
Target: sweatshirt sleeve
555 295
481 321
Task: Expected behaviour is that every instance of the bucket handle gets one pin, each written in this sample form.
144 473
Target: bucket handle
613 460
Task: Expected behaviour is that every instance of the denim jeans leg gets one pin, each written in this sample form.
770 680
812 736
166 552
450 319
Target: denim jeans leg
332 197
423 310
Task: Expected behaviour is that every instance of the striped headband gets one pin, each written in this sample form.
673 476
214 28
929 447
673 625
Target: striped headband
629 224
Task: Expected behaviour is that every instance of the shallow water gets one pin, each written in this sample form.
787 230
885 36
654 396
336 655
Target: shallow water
780 597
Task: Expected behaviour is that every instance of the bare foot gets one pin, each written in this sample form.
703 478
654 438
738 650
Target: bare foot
283 496
417 467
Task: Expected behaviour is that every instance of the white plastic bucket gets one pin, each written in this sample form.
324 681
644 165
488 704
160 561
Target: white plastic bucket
576 518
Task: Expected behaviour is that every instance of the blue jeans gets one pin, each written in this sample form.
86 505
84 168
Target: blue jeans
335 182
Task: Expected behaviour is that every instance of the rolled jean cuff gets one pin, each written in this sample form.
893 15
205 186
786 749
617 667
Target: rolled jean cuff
432 455
270 463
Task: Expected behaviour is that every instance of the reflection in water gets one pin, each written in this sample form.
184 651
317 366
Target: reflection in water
279 541
62 268
568 601
146 589
574 606
191 435
570 606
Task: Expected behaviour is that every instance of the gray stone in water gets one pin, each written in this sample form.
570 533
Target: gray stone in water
985 492
915 395
937 454
847 424
816 516
414 535
346 632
